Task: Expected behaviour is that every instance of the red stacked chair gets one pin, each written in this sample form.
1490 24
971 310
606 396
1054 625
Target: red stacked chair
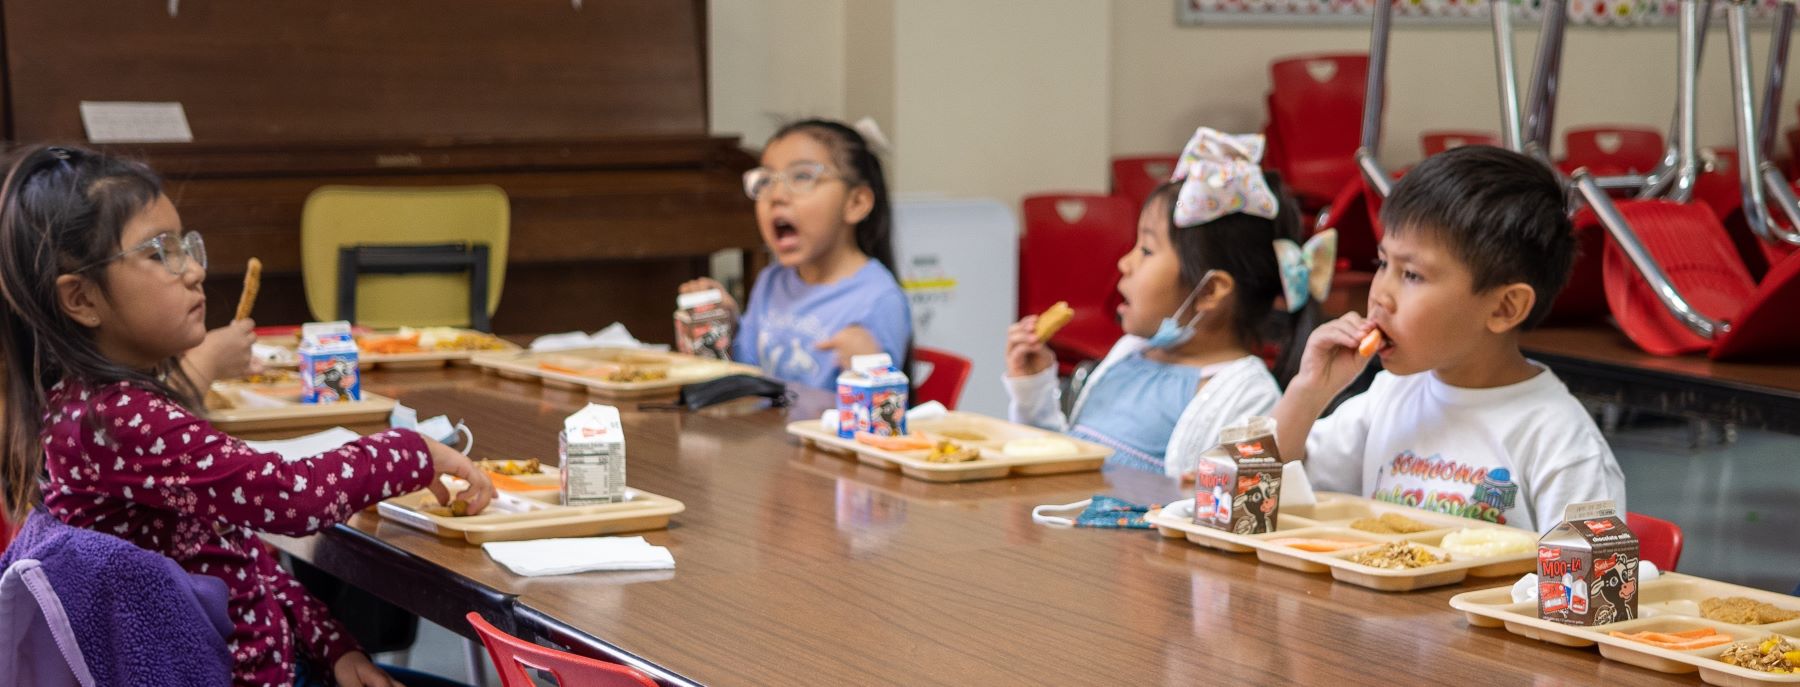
512 656
1315 111
1612 150
1070 252
1434 142
1659 541
1134 178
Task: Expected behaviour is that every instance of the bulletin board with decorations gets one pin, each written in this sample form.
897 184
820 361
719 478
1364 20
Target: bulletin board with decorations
1619 13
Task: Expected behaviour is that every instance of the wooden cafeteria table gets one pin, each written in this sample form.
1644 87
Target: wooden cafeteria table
1598 362
794 567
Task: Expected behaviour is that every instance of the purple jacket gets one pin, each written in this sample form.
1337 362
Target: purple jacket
79 607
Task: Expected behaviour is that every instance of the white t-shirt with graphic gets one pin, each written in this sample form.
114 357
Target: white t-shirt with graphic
1514 455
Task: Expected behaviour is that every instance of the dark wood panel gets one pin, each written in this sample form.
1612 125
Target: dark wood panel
276 71
800 568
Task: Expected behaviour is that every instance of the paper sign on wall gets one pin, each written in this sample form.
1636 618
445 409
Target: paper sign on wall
135 122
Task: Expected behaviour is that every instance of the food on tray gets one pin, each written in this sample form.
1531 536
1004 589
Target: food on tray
429 340
252 284
1040 447
1398 555
1770 655
1738 610
1371 343
904 442
961 434
1686 640
273 377
1389 523
1488 542
1318 545
1054 319
612 372
530 466
952 452
390 345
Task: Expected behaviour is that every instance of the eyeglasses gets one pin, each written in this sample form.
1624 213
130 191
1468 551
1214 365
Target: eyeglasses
172 252
799 179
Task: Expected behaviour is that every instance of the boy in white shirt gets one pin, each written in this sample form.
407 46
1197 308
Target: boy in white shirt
1477 245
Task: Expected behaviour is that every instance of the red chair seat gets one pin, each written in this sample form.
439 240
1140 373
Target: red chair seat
944 383
1135 178
512 656
1694 251
1659 541
1766 328
1315 110
1613 150
1070 252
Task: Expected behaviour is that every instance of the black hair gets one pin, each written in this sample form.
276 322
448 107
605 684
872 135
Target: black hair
1504 215
860 166
62 211
1243 245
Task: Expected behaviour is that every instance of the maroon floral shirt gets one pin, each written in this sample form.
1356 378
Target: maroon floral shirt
132 463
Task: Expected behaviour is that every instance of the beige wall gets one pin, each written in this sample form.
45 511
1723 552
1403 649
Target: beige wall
1003 97
774 60
1167 79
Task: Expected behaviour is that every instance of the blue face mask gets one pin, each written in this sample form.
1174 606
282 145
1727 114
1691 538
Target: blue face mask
1100 511
1172 332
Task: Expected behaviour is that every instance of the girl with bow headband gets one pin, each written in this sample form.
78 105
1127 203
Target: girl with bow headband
1199 289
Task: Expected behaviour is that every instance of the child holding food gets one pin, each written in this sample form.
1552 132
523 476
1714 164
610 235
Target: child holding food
1199 288
1477 246
102 288
822 207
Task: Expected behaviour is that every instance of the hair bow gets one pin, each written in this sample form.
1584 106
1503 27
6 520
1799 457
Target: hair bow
1306 272
1220 175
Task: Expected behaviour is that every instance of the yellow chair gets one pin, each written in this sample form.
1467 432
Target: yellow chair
410 254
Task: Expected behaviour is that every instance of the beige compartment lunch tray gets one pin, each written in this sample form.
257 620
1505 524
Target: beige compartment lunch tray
401 361
583 369
241 408
986 433
640 511
1330 518
1669 603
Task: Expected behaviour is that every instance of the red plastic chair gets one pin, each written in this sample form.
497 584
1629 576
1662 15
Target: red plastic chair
944 383
1315 107
1434 142
1070 252
512 656
1136 177
6 533
1612 150
1659 541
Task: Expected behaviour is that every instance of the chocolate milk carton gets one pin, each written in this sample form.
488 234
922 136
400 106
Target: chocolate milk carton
593 457
703 326
872 397
1238 485
1587 567
328 364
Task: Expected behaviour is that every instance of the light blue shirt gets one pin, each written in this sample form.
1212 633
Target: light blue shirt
787 318
1134 407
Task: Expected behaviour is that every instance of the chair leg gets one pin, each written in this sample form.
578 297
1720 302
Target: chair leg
473 653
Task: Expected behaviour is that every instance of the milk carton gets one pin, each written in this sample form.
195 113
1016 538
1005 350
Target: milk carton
872 397
703 326
1587 567
592 447
1237 486
328 368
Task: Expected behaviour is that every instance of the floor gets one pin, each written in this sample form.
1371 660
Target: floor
1736 500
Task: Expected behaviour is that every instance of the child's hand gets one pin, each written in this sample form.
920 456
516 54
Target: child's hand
355 670
224 354
1331 360
707 283
449 461
851 341
1025 355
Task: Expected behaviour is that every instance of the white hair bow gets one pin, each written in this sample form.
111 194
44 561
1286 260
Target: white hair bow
1220 175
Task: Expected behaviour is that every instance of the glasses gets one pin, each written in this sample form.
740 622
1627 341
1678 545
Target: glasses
799 179
174 253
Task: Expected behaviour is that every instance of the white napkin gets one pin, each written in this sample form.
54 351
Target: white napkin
1526 589
565 556
929 410
299 448
615 335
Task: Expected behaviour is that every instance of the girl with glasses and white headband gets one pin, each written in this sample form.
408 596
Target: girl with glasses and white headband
1199 290
822 206
103 427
